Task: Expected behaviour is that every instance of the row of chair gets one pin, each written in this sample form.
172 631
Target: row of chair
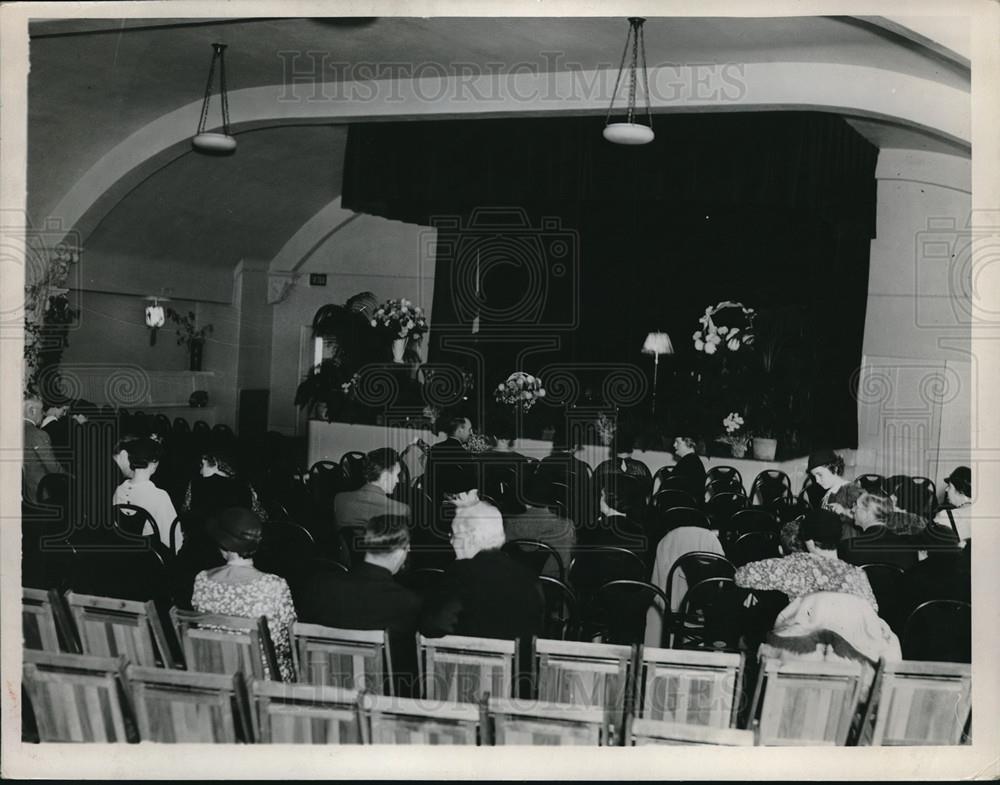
83 698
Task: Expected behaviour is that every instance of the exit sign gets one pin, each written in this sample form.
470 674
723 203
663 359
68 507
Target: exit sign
317 279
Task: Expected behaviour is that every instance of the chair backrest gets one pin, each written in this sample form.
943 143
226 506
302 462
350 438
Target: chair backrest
173 706
45 622
939 631
617 610
215 643
304 714
642 732
200 426
525 722
110 627
917 703
77 698
594 566
682 515
352 465
769 486
702 619
722 505
730 474
562 609
754 519
131 520
754 546
696 566
348 659
684 485
461 669
181 426
872 483
535 555
598 675
690 687
661 474
391 720
810 703
916 494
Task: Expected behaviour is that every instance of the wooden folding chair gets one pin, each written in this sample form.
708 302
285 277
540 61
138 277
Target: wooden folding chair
799 703
642 732
917 703
110 627
45 622
689 687
391 720
76 698
598 675
462 669
349 659
214 643
304 714
543 723
179 707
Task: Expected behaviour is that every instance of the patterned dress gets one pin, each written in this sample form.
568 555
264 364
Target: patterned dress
267 595
804 573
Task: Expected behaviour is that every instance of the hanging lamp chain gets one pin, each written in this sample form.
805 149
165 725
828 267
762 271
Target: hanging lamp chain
218 53
618 79
637 41
645 72
634 35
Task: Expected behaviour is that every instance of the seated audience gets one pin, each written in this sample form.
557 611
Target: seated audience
944 574
816 569
827 469
564 469
353 509
447 461
500 469
619 524
541 519
39 458
144 458
217 487
877 543
239 589
119 454
689 466
958 495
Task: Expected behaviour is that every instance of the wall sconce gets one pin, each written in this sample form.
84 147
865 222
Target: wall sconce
657 344
155 317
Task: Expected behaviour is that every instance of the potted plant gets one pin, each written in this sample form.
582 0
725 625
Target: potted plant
735 435
188 335
325 390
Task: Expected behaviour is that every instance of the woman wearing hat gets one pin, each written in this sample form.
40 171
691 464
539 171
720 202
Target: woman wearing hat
240 589
827 469
217 487
958 494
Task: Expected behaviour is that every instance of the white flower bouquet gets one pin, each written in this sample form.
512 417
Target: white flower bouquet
521 389
727 326
735 434
402 318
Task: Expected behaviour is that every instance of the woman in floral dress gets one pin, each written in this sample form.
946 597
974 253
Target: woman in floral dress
240 589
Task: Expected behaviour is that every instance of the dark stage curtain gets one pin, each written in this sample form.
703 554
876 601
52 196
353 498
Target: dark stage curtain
582 247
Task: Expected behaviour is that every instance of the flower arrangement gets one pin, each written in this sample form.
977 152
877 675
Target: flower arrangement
351 384
402 318
186 332
478 443
734 435
605 428
521 389
726 326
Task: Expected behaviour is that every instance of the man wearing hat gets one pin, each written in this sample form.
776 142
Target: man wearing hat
958 493
818 568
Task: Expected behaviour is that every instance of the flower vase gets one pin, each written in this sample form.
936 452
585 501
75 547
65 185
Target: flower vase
764 449
196 351
738 449
398 347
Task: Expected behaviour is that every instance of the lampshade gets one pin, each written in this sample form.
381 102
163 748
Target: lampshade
155 316
657 343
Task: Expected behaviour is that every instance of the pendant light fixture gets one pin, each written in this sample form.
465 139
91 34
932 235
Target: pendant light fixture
215 143
631 132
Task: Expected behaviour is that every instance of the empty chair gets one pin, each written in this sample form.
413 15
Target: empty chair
661 474
754 546
392 720
703 619
462 669
45 622
682 484
939 631
222 431
200 427
110 627
917 703
753 519
693 567
325 480
642 732
75 698
722 506
689 687
724 477
547 724
181 707
562 609
180 427
617 611
631 467
917 495
594 566
585 674
304 714
872 483
805 703
352 466
769 486
348 659
214 643
536 556
162 425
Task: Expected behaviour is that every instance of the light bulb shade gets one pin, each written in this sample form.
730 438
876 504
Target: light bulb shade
628 133
214 143
155 316
657 343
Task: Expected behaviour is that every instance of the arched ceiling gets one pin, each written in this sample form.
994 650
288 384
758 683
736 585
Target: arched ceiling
94 83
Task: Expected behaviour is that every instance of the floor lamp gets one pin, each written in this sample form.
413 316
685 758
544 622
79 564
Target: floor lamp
657 344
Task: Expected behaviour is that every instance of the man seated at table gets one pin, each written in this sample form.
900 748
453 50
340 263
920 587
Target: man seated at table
353 509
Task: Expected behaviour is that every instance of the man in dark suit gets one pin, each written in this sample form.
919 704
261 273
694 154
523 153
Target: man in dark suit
353 509
564 470
39 459
689 466
448 461
877 543
367 598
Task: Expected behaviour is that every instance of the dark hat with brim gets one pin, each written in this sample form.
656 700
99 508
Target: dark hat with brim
961 480
236 529
821 458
